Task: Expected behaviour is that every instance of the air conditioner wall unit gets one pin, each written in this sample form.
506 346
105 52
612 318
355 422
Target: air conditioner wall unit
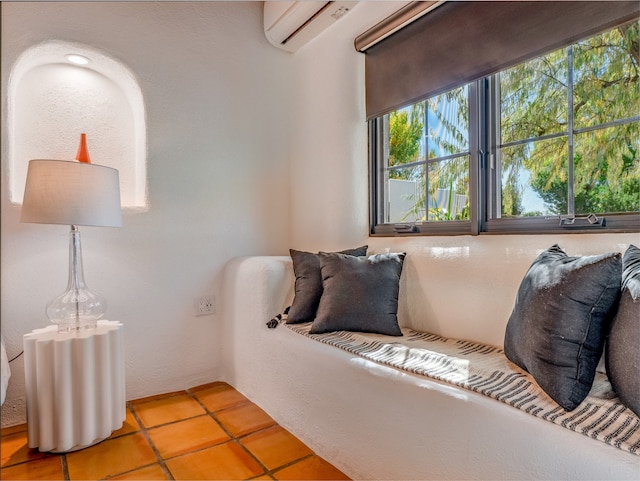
290 25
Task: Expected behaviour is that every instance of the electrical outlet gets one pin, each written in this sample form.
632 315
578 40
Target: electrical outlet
204 305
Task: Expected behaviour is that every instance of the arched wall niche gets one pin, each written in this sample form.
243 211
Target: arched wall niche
52 101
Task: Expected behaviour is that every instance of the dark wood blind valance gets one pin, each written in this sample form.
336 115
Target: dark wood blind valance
459 42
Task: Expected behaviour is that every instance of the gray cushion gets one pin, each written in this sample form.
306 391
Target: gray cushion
623 345
562 313
360 294
308 284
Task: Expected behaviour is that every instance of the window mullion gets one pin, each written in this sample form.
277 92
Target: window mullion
426 158
494 166
383 153
570 134
476 152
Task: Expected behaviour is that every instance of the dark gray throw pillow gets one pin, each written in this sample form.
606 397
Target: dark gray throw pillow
562 313
622 356
360 294
308 283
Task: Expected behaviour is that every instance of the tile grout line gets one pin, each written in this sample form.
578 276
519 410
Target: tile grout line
143 430
43 455
208 413
25 461
232 437
274 471
65 467
238 439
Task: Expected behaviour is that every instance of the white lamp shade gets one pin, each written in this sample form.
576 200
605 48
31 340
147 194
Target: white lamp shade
71 193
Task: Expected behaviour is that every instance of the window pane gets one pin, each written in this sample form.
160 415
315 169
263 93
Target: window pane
406 200
607 170
406 135
606 77
449 189
534 178
448 119
533 98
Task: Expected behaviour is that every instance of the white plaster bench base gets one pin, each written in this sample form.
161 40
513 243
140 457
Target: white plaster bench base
376 422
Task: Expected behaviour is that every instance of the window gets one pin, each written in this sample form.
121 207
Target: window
426 154
550 144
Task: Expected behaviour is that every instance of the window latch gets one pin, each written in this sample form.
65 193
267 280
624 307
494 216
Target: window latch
405 228
587 222
567 220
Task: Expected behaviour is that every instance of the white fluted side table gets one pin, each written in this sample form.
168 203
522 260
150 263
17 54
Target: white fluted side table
75 386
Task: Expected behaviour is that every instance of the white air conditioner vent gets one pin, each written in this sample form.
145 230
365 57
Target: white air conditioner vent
290 25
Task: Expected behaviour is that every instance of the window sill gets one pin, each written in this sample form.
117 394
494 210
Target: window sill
615 224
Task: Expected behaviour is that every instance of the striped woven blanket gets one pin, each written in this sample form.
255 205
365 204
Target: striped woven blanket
486 370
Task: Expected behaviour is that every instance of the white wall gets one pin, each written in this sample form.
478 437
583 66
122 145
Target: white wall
216 95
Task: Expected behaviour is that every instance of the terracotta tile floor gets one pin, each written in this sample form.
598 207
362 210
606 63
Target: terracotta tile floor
208 432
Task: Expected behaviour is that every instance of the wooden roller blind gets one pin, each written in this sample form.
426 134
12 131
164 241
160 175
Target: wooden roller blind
459 42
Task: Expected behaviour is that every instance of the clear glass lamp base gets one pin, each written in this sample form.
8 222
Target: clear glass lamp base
77 308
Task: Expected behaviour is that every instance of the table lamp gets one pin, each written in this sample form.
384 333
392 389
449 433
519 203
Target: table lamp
73 193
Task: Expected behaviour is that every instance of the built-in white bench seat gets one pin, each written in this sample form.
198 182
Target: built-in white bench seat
374 421
485 370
